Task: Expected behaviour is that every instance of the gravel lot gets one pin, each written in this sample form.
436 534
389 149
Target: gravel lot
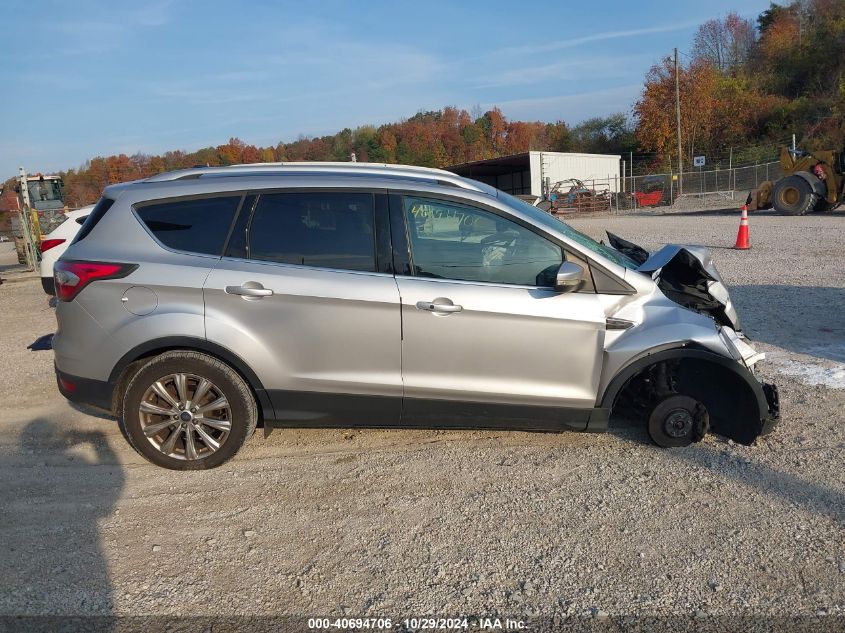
393 522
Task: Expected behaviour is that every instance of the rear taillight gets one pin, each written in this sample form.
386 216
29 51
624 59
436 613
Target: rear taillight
72 276
46 245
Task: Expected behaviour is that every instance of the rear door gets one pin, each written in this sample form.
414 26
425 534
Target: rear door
485 336
305 294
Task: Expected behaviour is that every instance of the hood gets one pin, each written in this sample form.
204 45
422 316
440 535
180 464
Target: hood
686 275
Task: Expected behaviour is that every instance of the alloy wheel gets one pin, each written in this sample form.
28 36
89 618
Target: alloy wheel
185 416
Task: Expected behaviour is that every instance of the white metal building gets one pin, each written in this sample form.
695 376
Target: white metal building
528 172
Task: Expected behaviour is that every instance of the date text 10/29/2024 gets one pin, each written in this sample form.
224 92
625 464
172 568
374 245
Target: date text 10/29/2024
416 624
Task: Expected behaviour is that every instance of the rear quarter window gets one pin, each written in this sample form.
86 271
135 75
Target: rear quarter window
196 226
93 218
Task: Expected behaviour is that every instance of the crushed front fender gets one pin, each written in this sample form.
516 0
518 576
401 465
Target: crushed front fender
741 407
685 274
773 400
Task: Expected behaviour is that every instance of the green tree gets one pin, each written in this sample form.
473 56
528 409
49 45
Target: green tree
604 135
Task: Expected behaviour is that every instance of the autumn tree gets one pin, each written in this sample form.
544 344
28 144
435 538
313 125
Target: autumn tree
655 111
726 43
230 153
387 142
775 14
493 124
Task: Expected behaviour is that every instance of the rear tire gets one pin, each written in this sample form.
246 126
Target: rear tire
678 421
793 196
187 411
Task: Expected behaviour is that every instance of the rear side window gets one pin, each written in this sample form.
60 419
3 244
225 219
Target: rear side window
196 226
326 230
95 216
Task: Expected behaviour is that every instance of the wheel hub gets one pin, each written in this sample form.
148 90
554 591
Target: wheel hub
790 195
679 423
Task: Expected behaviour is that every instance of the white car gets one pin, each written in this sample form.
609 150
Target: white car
55 243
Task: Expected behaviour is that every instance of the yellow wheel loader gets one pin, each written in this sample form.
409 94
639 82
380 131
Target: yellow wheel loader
812 181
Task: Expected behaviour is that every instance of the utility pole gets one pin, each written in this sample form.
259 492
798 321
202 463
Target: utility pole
678 121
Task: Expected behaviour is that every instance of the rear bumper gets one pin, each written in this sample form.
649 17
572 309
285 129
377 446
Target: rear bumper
87 391
49 285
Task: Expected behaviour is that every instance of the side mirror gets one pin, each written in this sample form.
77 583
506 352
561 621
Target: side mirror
570 276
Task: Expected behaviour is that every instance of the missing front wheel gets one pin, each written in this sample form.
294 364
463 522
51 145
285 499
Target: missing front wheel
678 420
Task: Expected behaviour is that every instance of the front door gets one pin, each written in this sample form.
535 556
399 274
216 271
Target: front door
300 297
485 336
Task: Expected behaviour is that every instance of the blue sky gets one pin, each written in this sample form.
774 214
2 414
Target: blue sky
83 78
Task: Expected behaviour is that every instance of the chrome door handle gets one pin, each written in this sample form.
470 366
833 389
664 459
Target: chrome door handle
444 308
249 289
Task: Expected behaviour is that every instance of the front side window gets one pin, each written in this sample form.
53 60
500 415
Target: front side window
543 218
197 226
454 241
321 229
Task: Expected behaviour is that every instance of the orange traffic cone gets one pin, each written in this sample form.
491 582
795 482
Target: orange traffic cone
742 242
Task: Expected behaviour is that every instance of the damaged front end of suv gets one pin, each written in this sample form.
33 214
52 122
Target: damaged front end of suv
686 371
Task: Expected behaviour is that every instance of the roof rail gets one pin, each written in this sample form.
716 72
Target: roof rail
373 169
344 165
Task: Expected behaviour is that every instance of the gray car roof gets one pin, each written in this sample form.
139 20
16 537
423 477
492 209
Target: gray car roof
379 171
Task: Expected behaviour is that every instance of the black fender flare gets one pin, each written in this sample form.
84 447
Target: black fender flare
819 187
641 362
168 343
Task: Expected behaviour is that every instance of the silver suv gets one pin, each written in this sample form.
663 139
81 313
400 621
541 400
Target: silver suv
197 303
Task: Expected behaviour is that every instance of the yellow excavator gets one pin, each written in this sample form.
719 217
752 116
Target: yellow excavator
811 181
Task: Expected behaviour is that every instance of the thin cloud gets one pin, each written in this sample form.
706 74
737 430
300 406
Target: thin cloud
209 97
571 107
86 28
316 52
152 13
570 69
352 62
96 36
533 49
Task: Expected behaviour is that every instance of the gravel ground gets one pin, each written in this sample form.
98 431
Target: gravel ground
393 522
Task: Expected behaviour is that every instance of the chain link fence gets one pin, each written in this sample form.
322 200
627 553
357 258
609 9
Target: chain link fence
660 190
651 191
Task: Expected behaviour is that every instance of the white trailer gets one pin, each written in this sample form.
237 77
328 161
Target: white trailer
530 173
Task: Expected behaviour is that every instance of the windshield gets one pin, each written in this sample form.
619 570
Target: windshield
45 194
548 220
